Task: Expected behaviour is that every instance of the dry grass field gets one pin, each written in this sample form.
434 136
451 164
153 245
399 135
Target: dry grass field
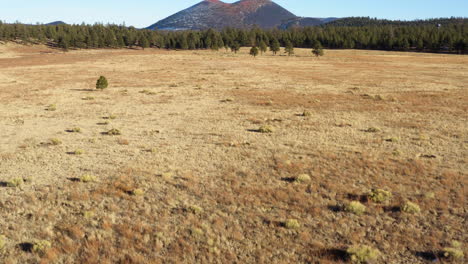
192 179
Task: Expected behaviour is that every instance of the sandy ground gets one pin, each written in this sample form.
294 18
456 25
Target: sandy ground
215 189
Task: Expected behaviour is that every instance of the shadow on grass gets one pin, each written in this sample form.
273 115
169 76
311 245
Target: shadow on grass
26 247
332 254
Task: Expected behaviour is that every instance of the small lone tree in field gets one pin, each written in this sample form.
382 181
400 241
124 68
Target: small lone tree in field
254 51
275 46
289 48
318 49
263 46
102 83
235 47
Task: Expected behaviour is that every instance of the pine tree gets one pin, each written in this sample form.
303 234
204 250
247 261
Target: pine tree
254 51
289 48
235 47
144 42
275 46
318 49
102 83
263 46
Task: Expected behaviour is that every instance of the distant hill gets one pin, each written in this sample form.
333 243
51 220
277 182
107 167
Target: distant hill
242 14
367 21
55 23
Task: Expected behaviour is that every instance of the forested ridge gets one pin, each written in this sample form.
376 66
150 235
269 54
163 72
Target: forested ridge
448 35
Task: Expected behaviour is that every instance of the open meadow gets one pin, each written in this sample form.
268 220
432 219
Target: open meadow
215 157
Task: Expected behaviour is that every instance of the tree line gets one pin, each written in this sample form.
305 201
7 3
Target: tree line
430 36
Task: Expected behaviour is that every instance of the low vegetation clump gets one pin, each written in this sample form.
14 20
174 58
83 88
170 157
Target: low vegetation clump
16 182
147 92
355 207
112 117
74 130
51 107
137 192
41 246
87 178
302 178
292 224
2 242
102 83
306 114
88 214
362 254
454 252
113 132
78 152
410 208
55 141
379 195
265 129
373 130
392 139
195 209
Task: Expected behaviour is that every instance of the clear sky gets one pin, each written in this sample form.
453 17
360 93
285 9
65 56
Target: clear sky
142 13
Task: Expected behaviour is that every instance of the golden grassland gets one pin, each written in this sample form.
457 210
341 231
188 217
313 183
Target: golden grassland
191 178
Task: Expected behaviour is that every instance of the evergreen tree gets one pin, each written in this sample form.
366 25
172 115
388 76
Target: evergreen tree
275 46
254 51
262 46
235 47
289 48
144 42
318 49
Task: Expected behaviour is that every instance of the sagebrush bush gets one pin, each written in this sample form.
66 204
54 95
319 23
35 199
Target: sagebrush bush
454 252
302 178
87 178
410 208
113 132
16 182
2 242
265 129
362 254
55 141
292 224
379 195
137 192
355 207
41 246
102 83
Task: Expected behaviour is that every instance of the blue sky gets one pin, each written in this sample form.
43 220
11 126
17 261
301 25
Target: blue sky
142 13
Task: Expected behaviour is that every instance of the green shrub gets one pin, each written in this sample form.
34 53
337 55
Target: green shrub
16 182
113 132
372 130
195 209
2 242
41 246
137 192
102 83
55 141
379 195
302 178
292 224
265 129
362 254
306 113
87 178
356 208
78 152
453 253
51 107
410 208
